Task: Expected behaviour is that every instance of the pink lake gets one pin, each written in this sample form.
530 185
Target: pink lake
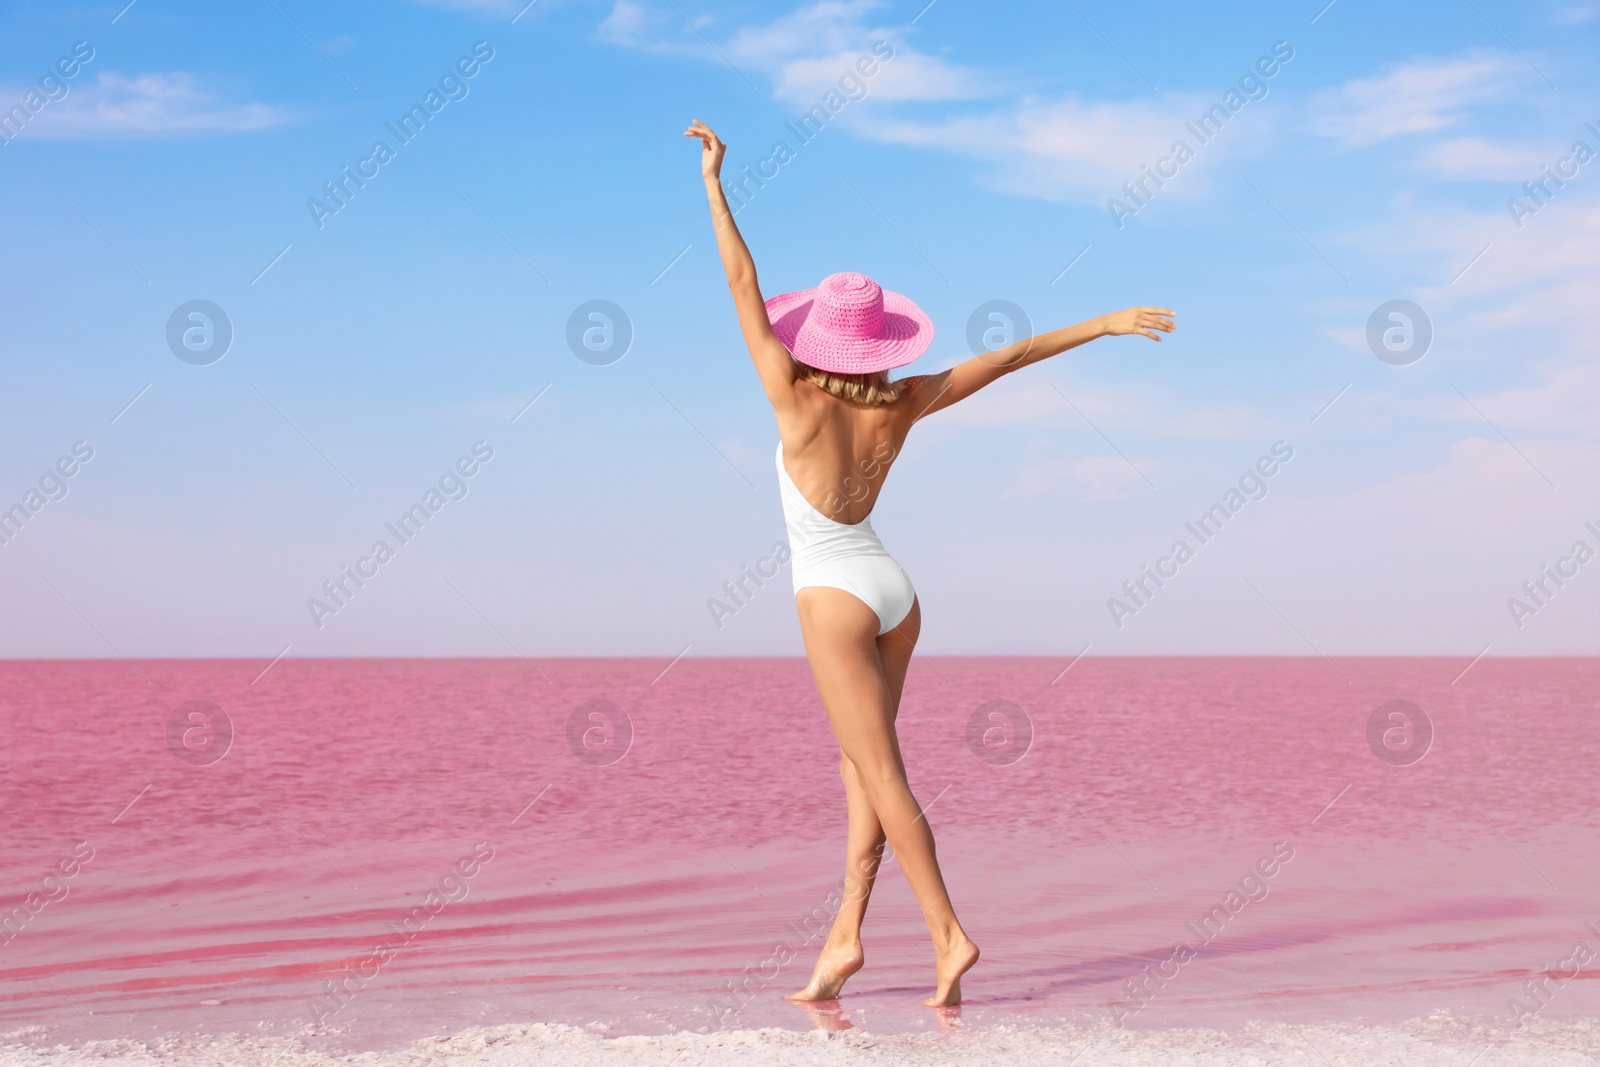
626 886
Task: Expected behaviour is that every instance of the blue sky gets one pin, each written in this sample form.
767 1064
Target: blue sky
371 352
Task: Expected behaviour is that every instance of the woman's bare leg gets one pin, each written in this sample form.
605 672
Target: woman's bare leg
841 954
841 635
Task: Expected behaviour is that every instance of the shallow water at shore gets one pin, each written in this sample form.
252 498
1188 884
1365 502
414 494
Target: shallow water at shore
661 875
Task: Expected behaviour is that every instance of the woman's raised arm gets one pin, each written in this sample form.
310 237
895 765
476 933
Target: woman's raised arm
964 379
773 362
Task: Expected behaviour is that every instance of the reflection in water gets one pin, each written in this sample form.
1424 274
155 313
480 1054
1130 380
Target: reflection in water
826 1014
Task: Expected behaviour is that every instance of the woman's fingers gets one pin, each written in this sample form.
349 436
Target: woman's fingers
1143 320
707 138
702 131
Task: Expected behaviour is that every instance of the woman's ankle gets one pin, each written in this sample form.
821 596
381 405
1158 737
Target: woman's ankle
839 940
947 935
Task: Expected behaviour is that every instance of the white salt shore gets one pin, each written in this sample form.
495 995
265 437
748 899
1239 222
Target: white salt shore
1437 1041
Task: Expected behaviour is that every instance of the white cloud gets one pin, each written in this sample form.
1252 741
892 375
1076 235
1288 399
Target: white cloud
1416 97
808 51
803 54
147 105
1062 150
1516 333
1476 159
1531 296
908 76
1074 149
634 25
1095 478
823 27
1065 149
1569 403
1122 412
1577 14
1528 296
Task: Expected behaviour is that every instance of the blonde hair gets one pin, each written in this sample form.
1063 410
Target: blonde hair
871 389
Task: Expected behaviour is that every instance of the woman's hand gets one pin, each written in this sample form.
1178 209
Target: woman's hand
711 150
1139 320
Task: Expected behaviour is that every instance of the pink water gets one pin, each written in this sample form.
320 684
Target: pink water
625 897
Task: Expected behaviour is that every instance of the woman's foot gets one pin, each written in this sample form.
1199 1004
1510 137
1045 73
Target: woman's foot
956 960
836 964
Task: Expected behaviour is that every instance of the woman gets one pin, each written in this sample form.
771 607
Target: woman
823 357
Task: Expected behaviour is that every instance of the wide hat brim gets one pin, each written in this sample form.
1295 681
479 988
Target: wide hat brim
907 332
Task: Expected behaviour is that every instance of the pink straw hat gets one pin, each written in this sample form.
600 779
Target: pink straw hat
850 325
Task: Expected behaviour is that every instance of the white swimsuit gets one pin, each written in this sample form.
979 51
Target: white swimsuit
842 556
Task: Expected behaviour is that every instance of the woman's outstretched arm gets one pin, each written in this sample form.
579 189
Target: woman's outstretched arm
773 362
961 381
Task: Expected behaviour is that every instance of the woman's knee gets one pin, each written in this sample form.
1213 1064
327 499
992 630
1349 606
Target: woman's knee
884 775
874 771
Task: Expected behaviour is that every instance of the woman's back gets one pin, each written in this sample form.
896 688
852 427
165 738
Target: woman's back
838 452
